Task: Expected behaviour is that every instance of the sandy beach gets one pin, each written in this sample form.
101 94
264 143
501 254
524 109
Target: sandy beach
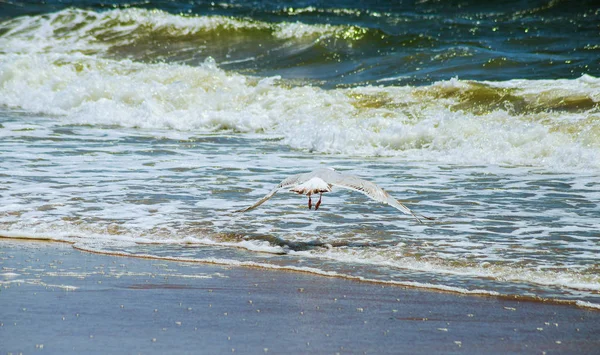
56 299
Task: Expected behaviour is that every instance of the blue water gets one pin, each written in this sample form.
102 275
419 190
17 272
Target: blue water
377 42
137 128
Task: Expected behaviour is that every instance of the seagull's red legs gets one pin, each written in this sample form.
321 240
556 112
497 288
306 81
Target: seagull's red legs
318 202
310 203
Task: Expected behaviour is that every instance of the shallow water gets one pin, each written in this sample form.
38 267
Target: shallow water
138 130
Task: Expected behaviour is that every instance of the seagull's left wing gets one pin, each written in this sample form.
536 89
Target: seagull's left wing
261 201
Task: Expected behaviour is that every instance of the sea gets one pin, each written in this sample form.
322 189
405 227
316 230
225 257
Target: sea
136 128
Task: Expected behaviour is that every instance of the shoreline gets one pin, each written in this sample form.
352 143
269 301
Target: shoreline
56 298
318 273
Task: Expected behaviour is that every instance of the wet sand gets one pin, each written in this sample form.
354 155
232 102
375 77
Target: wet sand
55 299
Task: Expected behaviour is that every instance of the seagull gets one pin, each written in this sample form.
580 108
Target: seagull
323 180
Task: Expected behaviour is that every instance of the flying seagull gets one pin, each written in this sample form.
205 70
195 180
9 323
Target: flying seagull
323 180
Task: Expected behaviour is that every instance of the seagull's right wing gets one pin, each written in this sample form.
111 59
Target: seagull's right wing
370 189
290 181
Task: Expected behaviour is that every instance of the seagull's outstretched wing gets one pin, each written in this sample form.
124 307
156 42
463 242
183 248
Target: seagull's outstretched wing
261 201
288 182
370 189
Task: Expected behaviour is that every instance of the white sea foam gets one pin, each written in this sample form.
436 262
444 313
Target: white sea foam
9 275
367 121
507 273
54 64
37 282
588 305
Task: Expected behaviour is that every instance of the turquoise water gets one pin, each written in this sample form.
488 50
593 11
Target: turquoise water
137 129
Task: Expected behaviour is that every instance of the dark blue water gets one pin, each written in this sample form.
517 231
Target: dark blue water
408 42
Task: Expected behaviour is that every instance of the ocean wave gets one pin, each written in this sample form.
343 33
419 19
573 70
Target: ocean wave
122 30
326 46
548 123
